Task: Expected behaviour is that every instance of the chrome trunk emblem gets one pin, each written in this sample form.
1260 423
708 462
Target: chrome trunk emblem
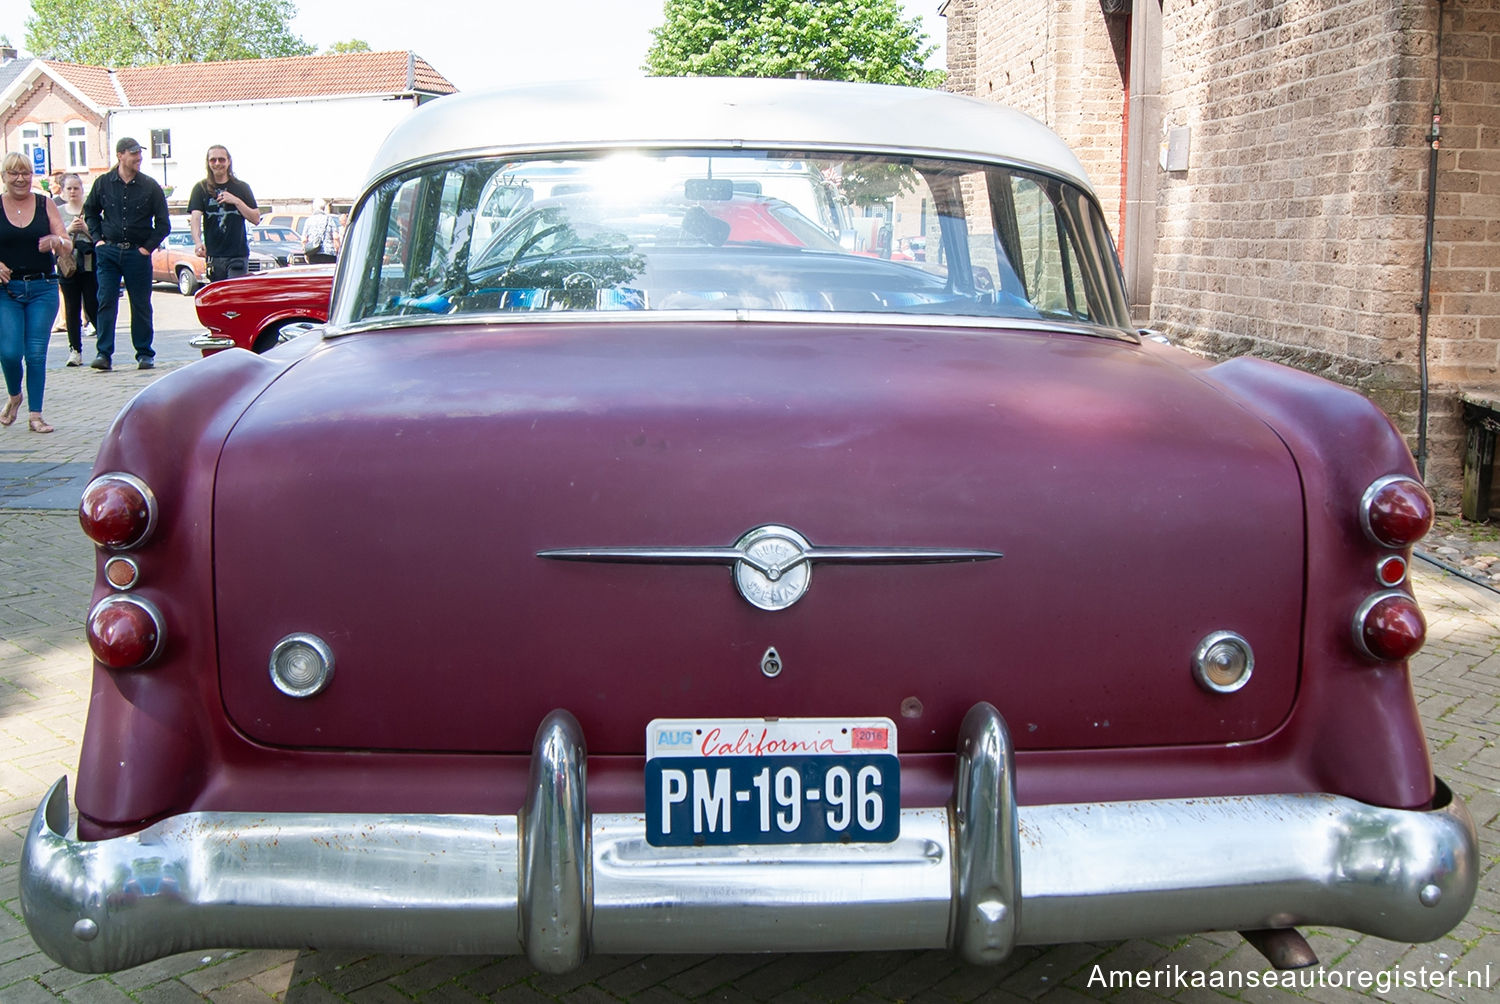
771 564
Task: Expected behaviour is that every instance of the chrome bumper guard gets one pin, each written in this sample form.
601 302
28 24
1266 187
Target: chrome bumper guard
207 341
979 876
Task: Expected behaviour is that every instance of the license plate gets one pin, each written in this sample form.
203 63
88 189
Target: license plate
772 781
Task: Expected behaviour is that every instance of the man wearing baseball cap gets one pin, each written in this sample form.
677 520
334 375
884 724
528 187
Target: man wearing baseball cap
126 213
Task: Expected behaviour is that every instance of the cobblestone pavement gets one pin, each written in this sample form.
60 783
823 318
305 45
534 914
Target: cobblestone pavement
46 570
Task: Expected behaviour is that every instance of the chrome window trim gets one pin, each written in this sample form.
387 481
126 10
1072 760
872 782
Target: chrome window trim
737 315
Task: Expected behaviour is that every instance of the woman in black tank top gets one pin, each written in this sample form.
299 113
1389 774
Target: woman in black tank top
31 232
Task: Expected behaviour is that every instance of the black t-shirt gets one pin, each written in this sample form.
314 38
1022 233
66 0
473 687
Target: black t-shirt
223 226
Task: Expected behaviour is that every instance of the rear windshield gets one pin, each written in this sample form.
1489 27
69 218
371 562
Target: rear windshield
714 230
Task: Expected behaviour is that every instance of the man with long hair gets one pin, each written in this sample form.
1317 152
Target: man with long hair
219 206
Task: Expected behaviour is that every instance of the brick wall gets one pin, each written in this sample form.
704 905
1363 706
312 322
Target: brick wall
1296 231
1056 61
1464 329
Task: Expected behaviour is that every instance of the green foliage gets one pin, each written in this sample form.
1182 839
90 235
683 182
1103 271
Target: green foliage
352 45
824 39
145 32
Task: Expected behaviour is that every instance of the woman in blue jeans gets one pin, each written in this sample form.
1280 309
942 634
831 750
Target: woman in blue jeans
31 232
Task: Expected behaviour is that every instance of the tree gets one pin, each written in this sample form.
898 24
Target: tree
352 45
824 39
145 32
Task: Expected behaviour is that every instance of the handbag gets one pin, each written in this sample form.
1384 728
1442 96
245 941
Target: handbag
66 264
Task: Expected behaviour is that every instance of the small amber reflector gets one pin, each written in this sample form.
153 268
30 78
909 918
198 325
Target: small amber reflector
122 573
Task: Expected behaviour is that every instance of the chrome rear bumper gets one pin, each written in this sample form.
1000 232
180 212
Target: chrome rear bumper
979 876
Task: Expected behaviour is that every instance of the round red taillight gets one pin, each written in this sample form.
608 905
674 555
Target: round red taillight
1390 627
125 632
118 511
1396 511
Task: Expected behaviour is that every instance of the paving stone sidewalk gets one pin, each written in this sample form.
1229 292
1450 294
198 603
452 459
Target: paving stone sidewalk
46 569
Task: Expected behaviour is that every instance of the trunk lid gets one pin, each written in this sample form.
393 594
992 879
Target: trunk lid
390 493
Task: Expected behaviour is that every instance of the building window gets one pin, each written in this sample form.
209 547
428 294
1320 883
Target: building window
78 146
31 139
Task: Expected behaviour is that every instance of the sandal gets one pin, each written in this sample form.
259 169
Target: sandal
39 424
8 415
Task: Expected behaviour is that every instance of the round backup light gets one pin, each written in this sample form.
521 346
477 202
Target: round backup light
1396 511
301 665
125 632
118 511
1223 662
1390 627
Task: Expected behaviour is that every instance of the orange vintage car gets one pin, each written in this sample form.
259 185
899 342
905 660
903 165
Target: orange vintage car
177 263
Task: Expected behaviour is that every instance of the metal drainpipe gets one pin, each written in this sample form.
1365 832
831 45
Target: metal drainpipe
1434 141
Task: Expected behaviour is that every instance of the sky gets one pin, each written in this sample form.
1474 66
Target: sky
496 43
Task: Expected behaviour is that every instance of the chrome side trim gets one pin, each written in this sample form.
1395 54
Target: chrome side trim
555 884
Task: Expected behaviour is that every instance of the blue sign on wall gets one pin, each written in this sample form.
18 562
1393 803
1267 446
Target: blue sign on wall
38 160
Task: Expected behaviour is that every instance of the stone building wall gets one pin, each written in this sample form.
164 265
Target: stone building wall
1296 230
1464 328
1055 61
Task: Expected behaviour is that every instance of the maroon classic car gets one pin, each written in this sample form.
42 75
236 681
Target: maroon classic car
259 312
603 577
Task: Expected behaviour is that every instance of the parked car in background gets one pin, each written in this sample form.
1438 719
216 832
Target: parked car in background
258 312
176 262
281 243
635 578
287 221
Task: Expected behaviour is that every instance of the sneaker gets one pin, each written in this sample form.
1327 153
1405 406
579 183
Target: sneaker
145 364
75 357
101 363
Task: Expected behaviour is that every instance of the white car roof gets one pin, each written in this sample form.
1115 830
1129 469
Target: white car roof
722 112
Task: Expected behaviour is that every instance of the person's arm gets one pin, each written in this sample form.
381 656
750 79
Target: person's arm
248 208
91 214
161 218
57 241
196 204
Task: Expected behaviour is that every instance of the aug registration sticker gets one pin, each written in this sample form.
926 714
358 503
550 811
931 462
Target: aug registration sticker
772 781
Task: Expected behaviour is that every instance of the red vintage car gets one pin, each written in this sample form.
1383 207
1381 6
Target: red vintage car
598 581
259 312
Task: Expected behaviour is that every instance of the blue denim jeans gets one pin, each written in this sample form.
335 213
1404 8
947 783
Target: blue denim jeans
27 310
111 263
